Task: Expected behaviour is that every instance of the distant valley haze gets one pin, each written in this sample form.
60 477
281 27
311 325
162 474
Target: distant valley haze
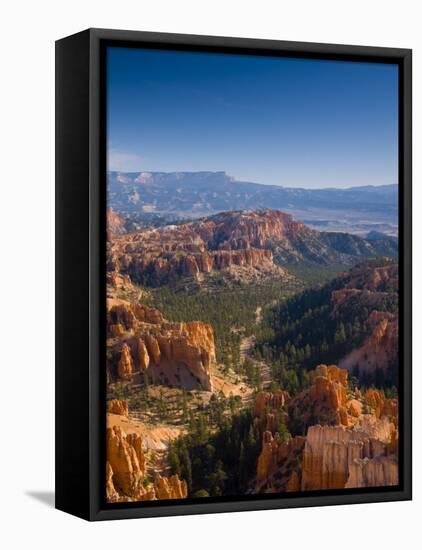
188 195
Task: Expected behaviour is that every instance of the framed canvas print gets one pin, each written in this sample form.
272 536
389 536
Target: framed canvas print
233 274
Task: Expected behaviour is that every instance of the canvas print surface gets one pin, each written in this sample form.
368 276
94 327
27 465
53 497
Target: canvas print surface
252 275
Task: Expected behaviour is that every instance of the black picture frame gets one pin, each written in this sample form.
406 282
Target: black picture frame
80 272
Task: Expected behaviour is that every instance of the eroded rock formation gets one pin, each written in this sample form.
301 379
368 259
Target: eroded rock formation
269 410
125 364
335 456
176 354
327 400
169 487
226 242
279 463
118 406
351 436
379 349
126 472
115 224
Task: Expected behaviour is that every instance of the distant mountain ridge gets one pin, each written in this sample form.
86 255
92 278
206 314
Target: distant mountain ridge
197 194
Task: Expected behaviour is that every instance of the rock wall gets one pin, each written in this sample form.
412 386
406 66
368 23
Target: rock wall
141 340
335 456
158 269
376 472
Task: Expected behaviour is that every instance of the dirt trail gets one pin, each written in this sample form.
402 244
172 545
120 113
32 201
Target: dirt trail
246 346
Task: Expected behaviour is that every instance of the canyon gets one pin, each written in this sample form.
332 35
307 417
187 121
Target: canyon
193 392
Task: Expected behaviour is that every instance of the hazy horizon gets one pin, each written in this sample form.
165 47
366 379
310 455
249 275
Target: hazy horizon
235 180
295 123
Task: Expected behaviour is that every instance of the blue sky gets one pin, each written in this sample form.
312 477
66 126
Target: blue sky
282 121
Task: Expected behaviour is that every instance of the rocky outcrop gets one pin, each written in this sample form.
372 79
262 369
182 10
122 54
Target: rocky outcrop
170 487
336 456
226 242
239 230
351 436
115 224
379 349
381 405
269 410
126 472
375 279
118 406
125 364
278 467
326 401
143 355
175 354
376 472
157 269
369 287
269 401
131 314
127 461
111 494
117 281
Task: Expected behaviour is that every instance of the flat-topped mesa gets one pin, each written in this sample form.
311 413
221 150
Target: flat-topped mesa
126 478
174 354
245 229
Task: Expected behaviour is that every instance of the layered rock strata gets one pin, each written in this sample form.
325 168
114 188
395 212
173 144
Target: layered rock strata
335 457
141 340
222 243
